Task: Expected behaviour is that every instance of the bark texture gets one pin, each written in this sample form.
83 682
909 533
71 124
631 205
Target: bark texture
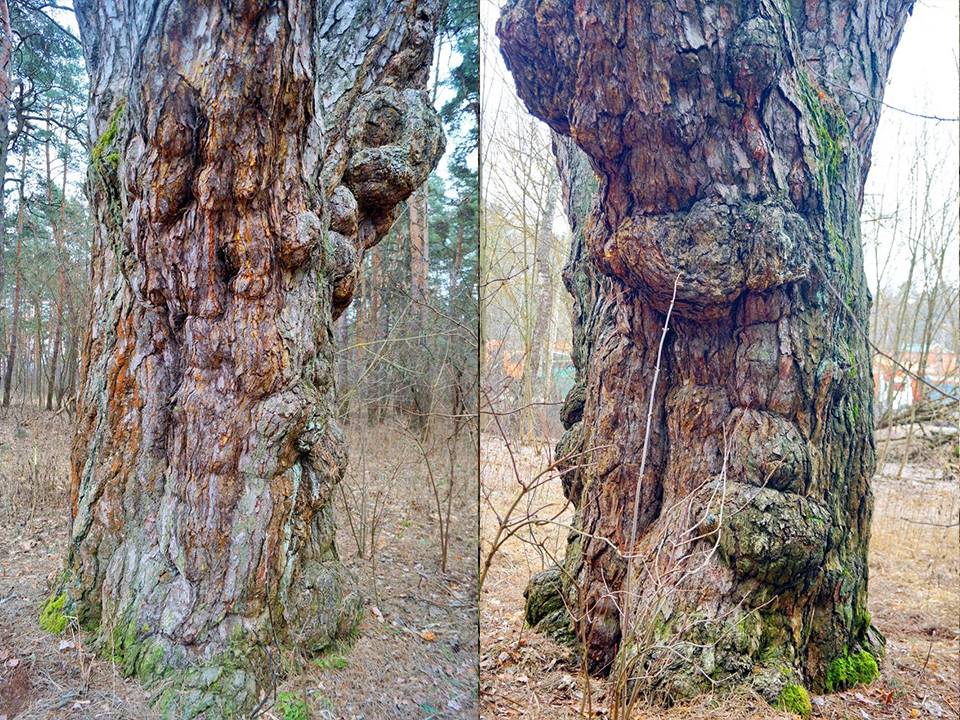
244 157
730 141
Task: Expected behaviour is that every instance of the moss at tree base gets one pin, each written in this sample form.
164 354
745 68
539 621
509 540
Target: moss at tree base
545 610
227 679
848 671
795 699
52 618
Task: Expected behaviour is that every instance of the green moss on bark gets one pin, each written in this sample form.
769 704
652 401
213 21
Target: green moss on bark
99 155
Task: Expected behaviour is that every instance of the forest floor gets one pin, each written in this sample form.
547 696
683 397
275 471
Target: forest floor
416 652
914 600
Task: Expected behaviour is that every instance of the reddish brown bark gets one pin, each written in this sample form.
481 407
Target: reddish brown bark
730 141
244 158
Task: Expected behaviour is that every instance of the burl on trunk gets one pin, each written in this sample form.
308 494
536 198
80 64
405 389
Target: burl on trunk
730 142
244 157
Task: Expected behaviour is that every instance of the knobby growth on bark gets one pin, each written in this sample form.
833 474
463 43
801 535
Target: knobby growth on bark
244 156
729 142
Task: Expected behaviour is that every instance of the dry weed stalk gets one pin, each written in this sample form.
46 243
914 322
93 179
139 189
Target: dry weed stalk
645 656
364 512
510 523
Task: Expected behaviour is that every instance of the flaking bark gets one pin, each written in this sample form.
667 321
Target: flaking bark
244 158
730 141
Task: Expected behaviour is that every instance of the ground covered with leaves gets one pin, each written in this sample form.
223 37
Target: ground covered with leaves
914 600
414 656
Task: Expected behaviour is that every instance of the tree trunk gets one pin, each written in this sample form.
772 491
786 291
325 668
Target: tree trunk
419 255
58 230
421 390
731 142
18 271
6 100
244 157
38 348
544 297
375 404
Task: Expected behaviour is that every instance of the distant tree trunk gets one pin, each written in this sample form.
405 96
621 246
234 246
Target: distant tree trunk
68 388
544 294
15 324
375 288
421 388
375 405
723 160
457 263
58 230
38 347
420 254
244 156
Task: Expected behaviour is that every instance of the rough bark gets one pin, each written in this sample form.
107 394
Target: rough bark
6 100
244 158
731 142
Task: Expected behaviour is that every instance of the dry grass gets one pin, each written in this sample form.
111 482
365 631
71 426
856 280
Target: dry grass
420 662
42 676
914 599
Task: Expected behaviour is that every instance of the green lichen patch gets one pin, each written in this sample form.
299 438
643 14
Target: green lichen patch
105 166
847 671
52 618
217 691
830 126
136 652
795 699
100 155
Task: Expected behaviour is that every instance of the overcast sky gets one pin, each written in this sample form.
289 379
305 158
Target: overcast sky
923 79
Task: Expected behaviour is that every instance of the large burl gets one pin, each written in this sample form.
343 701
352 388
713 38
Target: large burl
244 158
730 168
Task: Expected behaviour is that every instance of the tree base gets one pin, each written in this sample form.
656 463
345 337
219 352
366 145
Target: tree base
545 610
242 660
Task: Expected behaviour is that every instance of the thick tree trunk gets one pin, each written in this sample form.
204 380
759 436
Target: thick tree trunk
244 157
6 101
731 141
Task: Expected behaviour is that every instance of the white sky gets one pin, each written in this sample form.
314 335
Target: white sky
923 79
